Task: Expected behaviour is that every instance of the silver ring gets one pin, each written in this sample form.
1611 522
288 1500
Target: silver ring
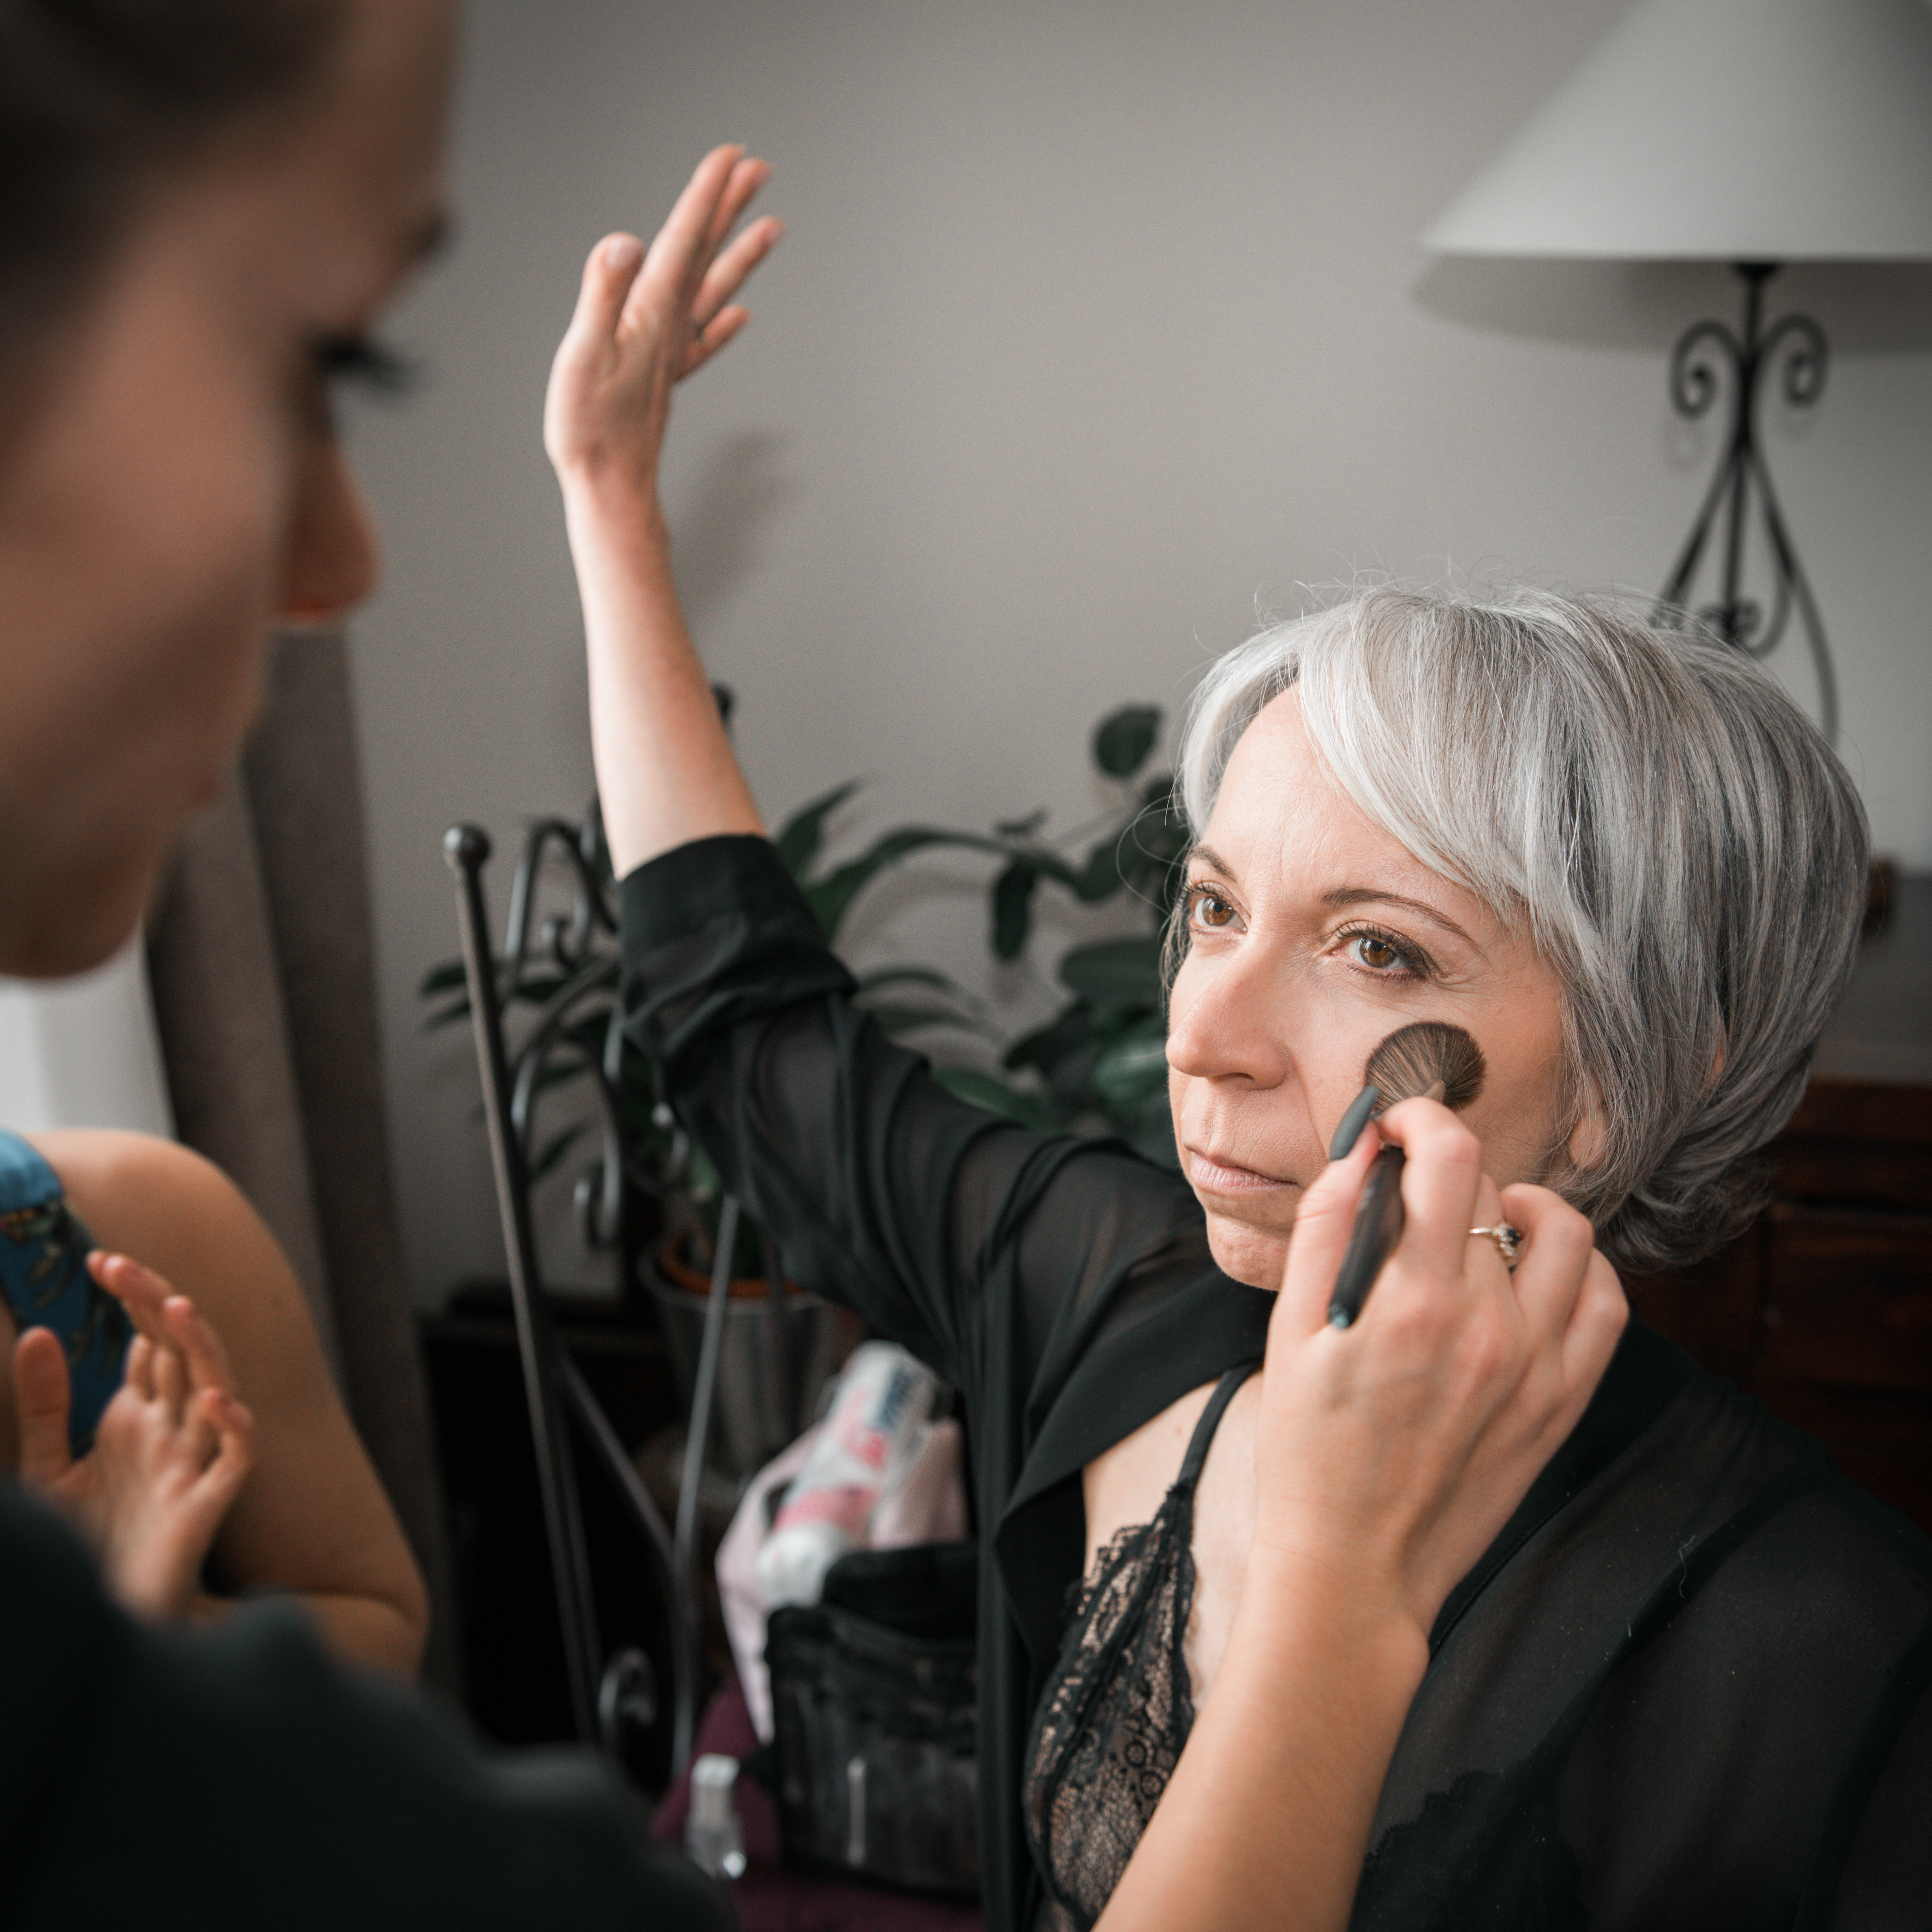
1508 1240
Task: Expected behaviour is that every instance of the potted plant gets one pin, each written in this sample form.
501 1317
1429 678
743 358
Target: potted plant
1097 1064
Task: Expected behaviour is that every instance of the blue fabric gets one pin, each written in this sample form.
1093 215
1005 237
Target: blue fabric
43 1249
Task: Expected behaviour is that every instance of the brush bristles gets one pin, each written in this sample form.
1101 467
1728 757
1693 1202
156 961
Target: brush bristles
1414 1058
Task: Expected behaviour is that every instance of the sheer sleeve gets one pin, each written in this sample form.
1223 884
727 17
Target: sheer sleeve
950 1229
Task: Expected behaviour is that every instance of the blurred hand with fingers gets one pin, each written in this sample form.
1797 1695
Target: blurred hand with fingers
172 1451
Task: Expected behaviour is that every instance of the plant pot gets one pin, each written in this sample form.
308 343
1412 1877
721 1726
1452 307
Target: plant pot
775 1355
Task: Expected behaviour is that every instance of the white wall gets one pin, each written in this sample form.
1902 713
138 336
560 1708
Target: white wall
83 1052
1097 324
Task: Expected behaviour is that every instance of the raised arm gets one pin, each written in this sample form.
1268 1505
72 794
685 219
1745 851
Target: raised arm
645 321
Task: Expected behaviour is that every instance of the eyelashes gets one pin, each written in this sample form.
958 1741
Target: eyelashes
1414 963
1208 910
364 362
1197 899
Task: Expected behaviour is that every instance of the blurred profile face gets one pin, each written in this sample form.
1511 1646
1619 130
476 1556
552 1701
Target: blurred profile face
176 487
1312 935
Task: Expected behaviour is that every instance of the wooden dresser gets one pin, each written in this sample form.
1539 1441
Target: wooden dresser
1824 1309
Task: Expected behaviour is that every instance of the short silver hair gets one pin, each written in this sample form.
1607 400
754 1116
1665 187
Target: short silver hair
1677 839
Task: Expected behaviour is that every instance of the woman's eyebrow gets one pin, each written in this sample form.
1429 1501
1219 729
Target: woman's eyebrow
1206 855
1348 896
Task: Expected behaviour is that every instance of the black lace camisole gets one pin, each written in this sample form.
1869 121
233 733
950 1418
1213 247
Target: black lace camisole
1118 1708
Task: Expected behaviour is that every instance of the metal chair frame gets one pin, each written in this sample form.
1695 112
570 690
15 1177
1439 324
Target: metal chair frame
578 953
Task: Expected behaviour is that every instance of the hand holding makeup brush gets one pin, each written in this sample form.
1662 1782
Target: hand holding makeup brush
1403 1444
1387 1457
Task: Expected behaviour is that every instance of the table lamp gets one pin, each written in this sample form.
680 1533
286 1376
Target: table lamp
1751 132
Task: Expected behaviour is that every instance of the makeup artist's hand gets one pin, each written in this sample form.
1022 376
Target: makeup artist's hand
646 320
171 1452
1391 1452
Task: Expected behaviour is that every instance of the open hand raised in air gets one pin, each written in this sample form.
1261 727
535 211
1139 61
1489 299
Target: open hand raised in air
646 319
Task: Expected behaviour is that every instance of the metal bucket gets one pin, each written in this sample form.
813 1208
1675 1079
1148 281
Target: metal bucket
775 1357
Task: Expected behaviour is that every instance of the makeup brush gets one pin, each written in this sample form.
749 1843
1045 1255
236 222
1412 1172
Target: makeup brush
1430 1057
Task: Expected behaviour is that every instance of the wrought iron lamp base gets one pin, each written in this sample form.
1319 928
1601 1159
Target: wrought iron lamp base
1709 357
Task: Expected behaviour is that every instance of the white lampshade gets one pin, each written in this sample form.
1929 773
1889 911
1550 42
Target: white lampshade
1731 130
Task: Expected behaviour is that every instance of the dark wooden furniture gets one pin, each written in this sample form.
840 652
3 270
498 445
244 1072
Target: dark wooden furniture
1824 1309
517 1691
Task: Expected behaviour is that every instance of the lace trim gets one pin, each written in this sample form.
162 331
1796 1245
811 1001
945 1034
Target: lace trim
1115 1715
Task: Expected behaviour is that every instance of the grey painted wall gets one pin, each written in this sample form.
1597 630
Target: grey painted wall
1098 326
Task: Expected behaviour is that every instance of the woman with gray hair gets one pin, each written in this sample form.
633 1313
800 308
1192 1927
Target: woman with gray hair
1487 1608
1672 833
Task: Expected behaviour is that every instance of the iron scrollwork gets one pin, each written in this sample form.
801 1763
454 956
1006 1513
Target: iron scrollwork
1708 359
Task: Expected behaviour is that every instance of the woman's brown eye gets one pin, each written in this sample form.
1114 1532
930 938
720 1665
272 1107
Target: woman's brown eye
1381 954
1210 909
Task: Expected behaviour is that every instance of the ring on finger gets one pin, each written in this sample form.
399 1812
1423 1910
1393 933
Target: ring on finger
1508 1240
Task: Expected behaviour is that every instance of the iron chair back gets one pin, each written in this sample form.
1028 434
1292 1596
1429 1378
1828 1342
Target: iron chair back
569 967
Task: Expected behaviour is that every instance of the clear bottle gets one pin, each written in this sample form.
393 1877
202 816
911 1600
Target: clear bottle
714 1841
880 1415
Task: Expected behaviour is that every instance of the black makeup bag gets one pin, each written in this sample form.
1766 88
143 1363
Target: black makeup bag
874 1701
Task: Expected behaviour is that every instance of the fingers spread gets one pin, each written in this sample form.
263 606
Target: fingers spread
748 175
42 1394
727 275
207 1359
609 270
138 1375
685 240
170 1383
233 1423
138 1289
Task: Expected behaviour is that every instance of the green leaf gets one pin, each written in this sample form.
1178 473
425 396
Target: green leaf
1071 1031
1021 828
553 1150
1101 877
907 976
446 978
896 1020
802 834
1013 907
1123 738
831 897
1150 1134
1116 972
1001 1096
1133 1069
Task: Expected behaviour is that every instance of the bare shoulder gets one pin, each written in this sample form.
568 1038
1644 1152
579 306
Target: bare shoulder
110 1174
1123 1485
177 1213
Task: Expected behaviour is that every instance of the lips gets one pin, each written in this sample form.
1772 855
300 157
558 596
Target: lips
1219 1175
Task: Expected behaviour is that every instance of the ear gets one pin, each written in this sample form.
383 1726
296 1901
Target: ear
1590 1137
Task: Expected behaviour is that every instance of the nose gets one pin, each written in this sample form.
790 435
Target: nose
1227 1021
331 564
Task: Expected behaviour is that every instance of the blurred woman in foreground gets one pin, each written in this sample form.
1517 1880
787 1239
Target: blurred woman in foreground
210 203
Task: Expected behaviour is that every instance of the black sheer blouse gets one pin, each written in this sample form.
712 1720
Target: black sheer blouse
1684 1686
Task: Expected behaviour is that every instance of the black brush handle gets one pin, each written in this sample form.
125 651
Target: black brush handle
1372 1239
